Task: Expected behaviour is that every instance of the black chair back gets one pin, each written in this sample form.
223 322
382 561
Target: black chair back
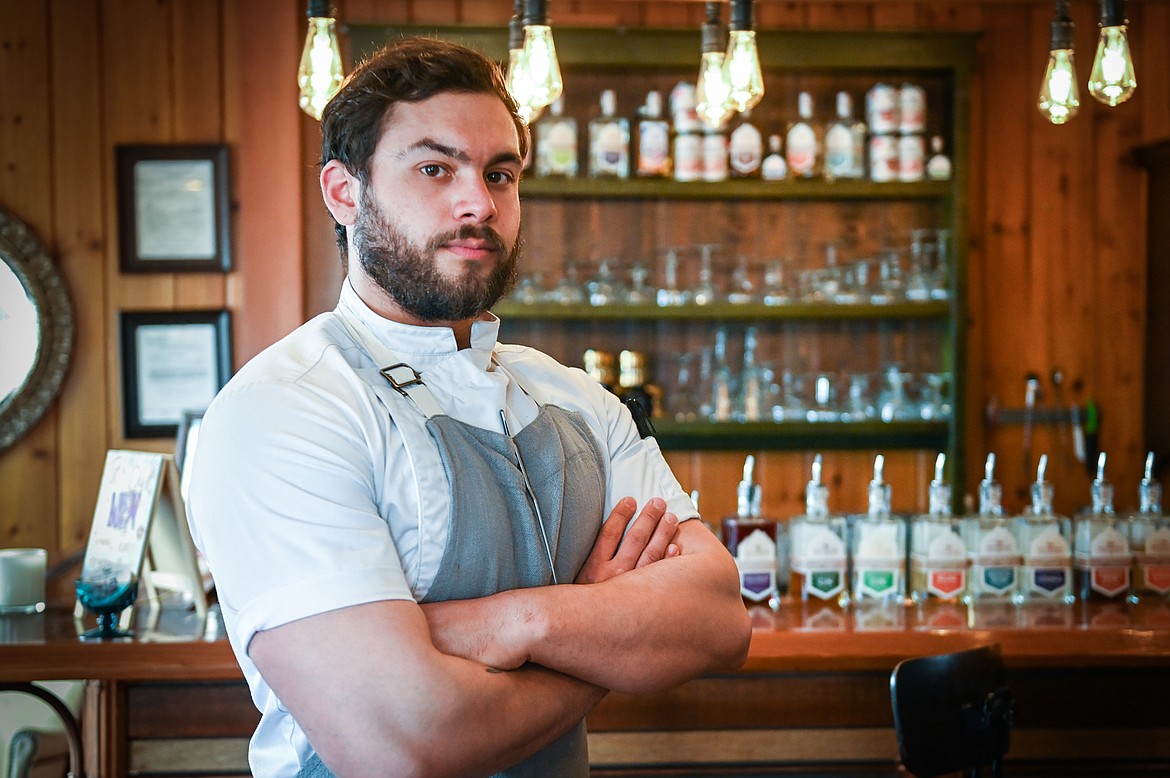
952 712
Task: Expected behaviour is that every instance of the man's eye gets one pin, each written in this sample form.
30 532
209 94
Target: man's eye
500 177
432 170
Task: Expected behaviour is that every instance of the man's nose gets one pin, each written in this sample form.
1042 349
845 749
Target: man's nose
474 202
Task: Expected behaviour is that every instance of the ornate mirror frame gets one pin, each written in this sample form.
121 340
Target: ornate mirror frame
29 261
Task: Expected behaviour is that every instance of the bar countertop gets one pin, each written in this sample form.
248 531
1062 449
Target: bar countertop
179 645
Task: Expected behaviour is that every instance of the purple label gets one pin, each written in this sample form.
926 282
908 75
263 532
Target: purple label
757 583
1049 579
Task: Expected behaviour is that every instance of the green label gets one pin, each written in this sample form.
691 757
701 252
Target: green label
999 579
824 583
879 581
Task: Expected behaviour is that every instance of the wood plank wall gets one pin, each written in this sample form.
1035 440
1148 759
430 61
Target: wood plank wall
1057 217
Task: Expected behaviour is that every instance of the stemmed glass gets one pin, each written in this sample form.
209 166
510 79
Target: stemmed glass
106 598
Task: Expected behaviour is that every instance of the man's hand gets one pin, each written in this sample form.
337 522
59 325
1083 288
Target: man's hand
492 632
650 539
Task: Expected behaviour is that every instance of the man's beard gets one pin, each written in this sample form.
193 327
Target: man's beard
411 277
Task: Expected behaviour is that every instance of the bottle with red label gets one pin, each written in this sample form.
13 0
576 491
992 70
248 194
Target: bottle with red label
1101 553
1149 533
938 555
1046 575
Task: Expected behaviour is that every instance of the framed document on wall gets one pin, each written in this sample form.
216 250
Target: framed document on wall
172 362
173 209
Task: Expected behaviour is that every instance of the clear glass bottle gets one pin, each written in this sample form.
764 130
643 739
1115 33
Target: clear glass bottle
670 293
706 291
742 291
753 541
938 556
722 379
774 167
818 543
802 145
749 404
605 288
844 143
639 292
992 544
746 149
878 548
938 166
556 143
609 141
1150 537
1101 555
688 136
1044 540
653 133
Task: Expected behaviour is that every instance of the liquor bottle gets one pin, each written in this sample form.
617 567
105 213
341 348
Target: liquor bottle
992 544
1101 555
911 157
752 382
938 167
653 133
818 543
722 380
599 365
844 143
633 383
688 137
1047 569
774 166
938 556
753 542
556 143
1150 536
878 548
715 162
746 150
802 150
609 140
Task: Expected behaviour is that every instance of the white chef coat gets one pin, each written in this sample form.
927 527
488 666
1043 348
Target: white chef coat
306 496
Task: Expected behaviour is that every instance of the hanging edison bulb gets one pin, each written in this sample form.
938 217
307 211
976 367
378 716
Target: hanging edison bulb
540 56
1112 80
712 95
320 74
741 64
517 79
1059 94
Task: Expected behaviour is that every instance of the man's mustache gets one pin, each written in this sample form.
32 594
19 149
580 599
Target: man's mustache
471 232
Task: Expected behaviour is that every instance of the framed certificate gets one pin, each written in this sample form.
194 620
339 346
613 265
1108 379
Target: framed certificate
173 362
173 209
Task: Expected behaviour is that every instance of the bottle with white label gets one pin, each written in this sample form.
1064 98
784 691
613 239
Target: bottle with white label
746 149
938 166
938 555
1150 539
1101 555
1044 540
992 545
774 166
878 548
688 136
802 144
752 541
715 161
556 143
844 143
653 138
818 548
609 141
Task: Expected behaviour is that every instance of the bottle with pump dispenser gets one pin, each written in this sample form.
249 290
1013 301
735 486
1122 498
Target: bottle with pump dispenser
1101 555
609 141
1150 539
878 548
753 541
938 556
818 549
844 143
1044 540
992 545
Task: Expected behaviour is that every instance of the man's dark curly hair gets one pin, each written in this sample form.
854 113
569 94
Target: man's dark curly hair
410 69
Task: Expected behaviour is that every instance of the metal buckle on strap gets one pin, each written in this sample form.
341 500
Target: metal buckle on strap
402 376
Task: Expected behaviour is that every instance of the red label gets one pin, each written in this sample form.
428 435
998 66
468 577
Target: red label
1110 580
947 582
1158 578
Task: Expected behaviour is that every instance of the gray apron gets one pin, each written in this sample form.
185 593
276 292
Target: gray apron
497 541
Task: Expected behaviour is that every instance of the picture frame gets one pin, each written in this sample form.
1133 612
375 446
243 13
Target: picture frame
186 439
173 208
173 362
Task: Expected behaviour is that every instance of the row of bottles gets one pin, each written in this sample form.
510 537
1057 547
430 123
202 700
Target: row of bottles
689 150
882 558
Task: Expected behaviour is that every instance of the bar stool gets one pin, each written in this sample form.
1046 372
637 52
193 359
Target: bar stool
952 712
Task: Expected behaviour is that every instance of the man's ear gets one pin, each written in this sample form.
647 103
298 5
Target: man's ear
341 191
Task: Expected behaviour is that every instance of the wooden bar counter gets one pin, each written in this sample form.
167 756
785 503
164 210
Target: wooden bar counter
1091 684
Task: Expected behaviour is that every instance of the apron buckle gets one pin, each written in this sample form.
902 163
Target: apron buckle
401 377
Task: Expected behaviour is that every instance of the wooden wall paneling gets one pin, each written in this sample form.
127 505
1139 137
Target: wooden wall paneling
782 16
29 469
1007 285
79 195
488 12
436 11
895 16
950 15
373 12
840 16
269 273
1152 64
1062 184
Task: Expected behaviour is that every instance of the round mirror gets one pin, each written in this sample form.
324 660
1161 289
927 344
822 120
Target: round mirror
36 329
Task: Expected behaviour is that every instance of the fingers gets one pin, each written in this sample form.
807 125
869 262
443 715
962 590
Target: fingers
610 536
660 541
640 534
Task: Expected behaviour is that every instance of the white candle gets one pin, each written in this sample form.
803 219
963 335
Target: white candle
22 580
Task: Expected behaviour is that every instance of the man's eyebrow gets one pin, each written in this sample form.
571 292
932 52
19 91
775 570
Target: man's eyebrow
429 144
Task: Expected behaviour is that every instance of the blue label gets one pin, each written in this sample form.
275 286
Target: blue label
1049 579
999 578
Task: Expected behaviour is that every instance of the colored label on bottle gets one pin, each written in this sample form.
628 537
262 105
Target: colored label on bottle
996 580
946 583
1156 578
755 556
1109 581
877 583
1049 580
824 584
